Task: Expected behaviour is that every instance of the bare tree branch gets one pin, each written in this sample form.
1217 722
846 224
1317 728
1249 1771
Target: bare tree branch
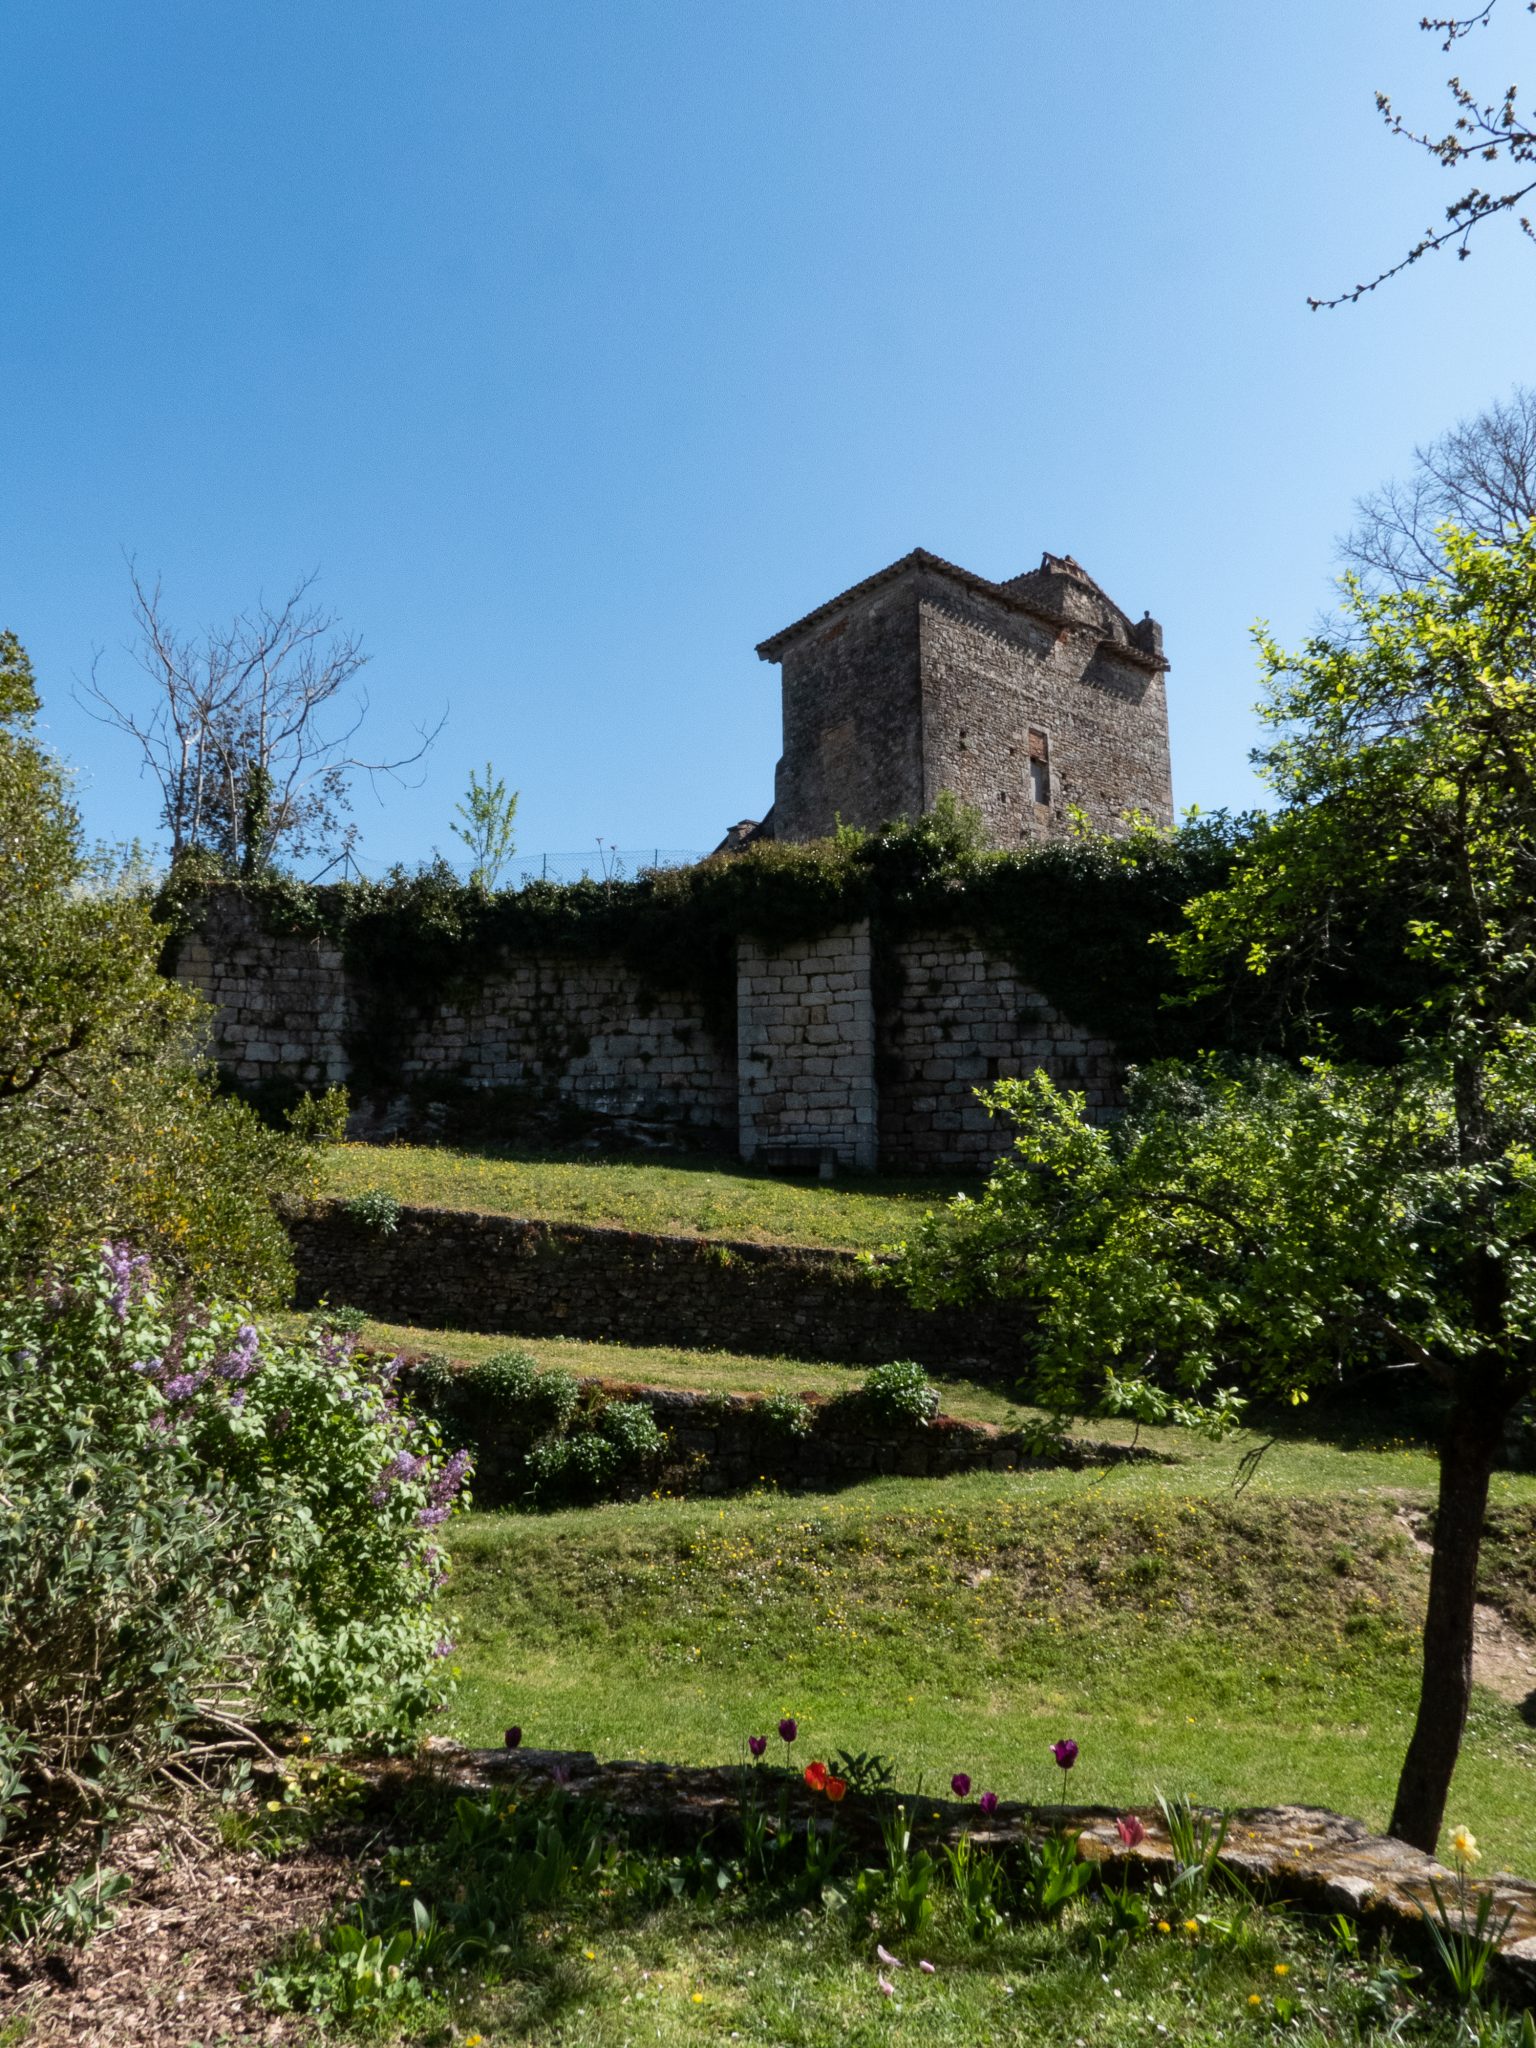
1480 476
1493 131
239 732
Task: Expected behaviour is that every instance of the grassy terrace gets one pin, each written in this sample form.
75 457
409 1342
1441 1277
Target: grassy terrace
1244 1648
692 1196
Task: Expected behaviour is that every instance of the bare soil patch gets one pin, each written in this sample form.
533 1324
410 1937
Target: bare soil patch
176 1965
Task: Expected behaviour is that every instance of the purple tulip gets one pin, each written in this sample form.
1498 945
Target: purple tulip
789 1728
988 1803
960 1784
757 1744
1065 1754
513 1737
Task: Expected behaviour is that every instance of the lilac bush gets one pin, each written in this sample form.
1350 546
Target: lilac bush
204 1523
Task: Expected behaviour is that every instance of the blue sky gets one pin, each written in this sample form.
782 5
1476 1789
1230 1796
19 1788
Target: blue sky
579 347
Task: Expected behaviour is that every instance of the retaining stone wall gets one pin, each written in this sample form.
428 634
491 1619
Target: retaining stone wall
819 1072
805 1050
586 1030
456 1269
726 1443
965 1018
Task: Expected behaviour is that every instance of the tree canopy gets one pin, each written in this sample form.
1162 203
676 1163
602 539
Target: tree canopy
1263 1227
110 1118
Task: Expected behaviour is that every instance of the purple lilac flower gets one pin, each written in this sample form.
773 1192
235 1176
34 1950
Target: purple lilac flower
126 1269
161 1424
151 1368
401 1466
988 1803
242 1357
183 1386
237 1398
440 1493
788 1729
960 1784
757 1744
443 1647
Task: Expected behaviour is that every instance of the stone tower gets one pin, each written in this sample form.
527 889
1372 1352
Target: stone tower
1022 698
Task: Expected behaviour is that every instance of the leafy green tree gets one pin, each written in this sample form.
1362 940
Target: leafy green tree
489 813
1263 1229
111 1123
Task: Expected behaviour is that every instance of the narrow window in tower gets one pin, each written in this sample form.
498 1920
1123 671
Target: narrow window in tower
1039 767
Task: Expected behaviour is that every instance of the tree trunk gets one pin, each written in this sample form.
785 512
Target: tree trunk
1467 1453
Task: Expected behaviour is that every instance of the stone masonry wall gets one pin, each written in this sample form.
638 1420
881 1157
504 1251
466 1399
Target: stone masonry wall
817 1073
587 1030
965 1018
282 1002
994 676
454 1269
805 1050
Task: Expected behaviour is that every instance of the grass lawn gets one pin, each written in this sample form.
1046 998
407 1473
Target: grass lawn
703 1197
728 1372
1244 1649
597 1975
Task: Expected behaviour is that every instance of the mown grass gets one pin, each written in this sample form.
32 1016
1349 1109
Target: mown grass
601 1977
1245 1650
695 1197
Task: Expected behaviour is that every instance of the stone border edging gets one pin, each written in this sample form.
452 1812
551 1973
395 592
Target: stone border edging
1304 1854
528 1277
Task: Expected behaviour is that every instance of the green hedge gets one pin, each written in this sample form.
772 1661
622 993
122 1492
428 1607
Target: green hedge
1078 917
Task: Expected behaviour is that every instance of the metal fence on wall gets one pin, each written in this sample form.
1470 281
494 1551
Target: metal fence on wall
601 864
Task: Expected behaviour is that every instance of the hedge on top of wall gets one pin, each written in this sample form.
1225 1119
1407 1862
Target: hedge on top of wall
1077 917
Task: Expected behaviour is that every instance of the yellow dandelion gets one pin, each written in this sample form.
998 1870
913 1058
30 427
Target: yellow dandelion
698 1998
274 1806
1254 1998
1282 1969
405 1883
1191 1926
1163 1927
590 1954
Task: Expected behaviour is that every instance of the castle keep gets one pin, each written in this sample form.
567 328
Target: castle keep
1029 700
1025 699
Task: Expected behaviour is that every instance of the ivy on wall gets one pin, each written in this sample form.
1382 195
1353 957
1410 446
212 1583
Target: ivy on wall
1078 918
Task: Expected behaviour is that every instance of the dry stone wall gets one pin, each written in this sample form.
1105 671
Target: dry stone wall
457 1269
840 1058
282 1007
588 1031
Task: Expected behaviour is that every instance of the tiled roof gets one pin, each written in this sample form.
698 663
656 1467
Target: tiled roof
772 648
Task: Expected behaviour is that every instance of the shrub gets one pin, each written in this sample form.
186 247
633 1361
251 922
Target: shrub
320 1119
620 1443
785 1415
375 1209
204 1527
899 1396
111 1122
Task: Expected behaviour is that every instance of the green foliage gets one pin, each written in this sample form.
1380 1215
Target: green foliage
201 1526
110 1120
374 1209
1076 917
488 817
899 1396
542 1443
620 1447
785 1416
320 1119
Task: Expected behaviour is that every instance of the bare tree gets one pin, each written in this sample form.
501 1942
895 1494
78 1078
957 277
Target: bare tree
1484 131
1480 476
238 729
